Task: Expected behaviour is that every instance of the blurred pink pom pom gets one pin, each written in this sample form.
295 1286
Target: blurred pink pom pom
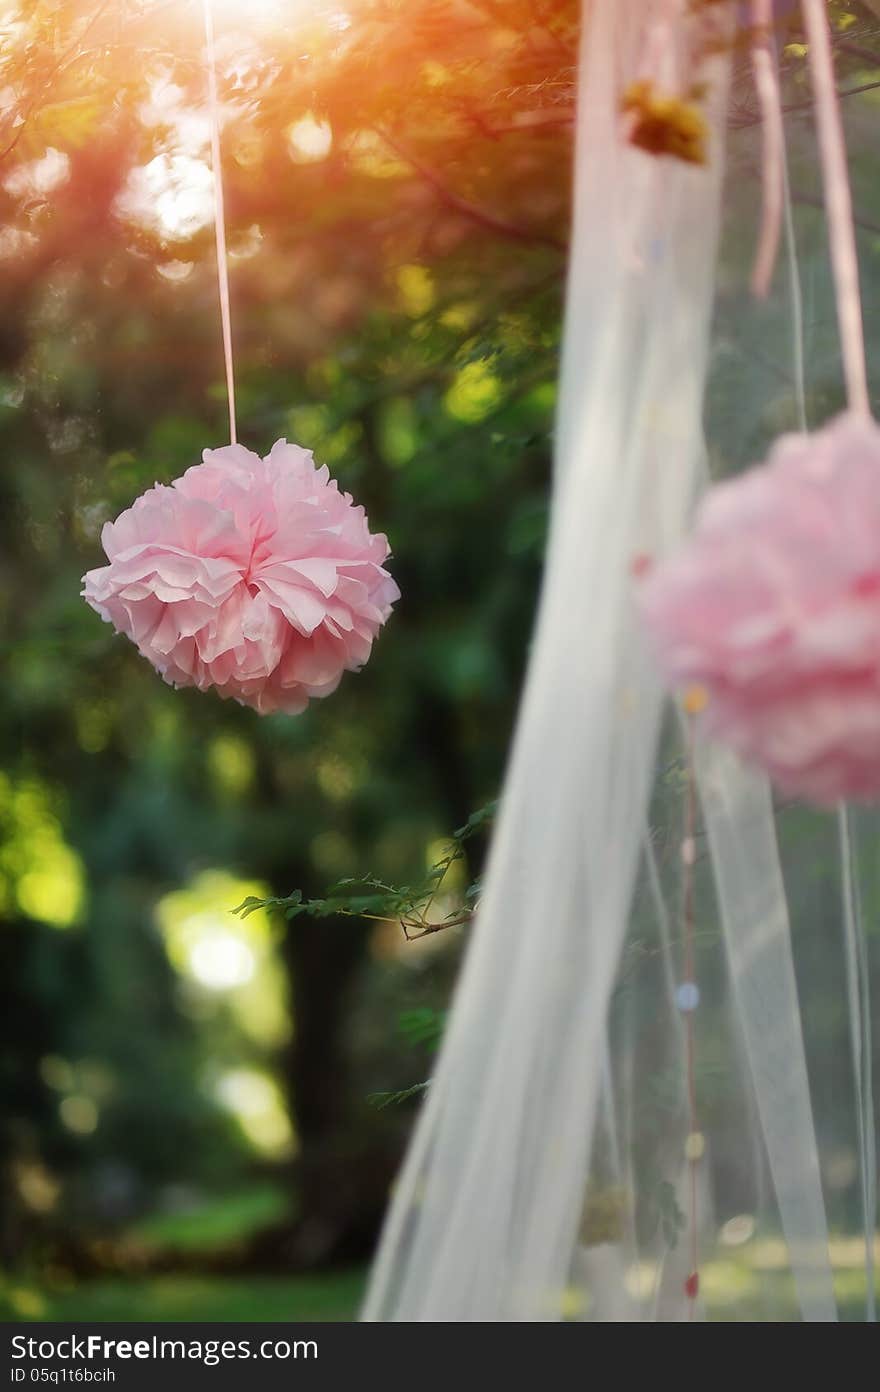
773 609
256 577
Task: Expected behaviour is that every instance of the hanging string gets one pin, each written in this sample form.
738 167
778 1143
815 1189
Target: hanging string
858 993
688 996
838 204
658 43
797 300
220 219
772 147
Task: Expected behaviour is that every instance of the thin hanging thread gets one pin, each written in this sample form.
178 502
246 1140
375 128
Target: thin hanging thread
772 147
797 300
838 204
855 954
659 39
692 1151
220 219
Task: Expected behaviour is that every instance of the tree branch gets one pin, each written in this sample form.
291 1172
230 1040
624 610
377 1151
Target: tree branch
742 123
50 77
490 221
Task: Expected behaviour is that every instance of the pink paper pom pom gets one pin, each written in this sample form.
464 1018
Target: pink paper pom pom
773 610
256 577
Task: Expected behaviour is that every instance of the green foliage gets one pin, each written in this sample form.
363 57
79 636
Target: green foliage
380 1100
408 906
369 897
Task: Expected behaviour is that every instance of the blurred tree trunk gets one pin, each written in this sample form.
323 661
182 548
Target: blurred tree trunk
342 1174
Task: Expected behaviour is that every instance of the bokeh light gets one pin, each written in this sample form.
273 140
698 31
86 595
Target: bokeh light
254 1099
174 194
39 871
309 140
223 955
217 959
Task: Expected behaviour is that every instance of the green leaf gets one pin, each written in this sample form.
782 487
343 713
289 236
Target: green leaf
476 821
380 1100
250 905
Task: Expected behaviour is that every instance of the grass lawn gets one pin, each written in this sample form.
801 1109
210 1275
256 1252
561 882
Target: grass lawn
335 1296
